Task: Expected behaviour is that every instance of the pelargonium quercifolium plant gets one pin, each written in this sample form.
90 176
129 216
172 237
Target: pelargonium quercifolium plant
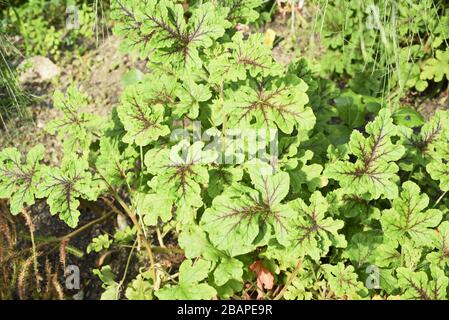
334 202
398 45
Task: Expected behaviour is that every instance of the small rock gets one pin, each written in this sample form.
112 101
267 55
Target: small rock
121 222
37 69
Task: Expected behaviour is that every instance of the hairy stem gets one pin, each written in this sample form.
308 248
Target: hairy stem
29 222
289 280
127 266
140 234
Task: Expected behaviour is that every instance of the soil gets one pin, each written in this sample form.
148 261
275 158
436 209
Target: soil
428 107
295 39
90 287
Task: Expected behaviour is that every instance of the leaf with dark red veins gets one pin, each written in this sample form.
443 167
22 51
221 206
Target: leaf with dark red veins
180 171
314 233
64 187
242 218
141 117
440 240
19 180
408 219
159 29
373 174
418 286
270 106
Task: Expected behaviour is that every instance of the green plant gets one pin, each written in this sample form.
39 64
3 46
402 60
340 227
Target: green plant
345 207
43 29
12 97
383 46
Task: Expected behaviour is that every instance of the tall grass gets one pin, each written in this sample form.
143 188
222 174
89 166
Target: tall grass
13 99
388 42
101 19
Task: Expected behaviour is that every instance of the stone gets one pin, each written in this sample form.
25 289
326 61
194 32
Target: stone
37 69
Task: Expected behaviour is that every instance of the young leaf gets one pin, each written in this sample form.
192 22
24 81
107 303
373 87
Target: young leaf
63 187
125 236
109 284
76 128
343 281
298 291
19 180
99 243
228 269
139 289
153 206
195 243
229 290
190 96
189 287
436 68
306 174
142 120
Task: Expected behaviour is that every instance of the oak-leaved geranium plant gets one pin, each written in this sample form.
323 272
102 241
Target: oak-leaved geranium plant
335 211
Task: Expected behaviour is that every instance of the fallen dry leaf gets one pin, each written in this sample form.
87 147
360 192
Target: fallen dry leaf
265 278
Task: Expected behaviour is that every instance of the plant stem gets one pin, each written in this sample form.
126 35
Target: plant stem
141 239
289 280
59 239
160 237
29 222
127 266
439 199
140 235
165 250
86 226
49 241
